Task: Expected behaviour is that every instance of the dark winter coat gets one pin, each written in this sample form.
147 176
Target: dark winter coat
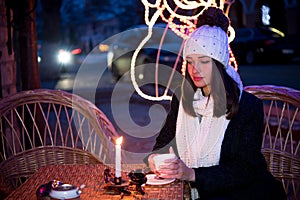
242 171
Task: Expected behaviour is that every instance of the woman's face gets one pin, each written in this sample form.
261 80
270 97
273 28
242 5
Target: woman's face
199 67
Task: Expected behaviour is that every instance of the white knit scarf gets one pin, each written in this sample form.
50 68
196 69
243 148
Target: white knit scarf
199 139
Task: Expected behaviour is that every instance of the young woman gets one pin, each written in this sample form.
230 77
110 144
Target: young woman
214 127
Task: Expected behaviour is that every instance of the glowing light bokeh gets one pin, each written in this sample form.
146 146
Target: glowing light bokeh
265 15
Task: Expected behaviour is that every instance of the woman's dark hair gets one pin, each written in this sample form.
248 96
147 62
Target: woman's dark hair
224 91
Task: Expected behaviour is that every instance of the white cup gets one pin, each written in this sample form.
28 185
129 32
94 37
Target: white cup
160 159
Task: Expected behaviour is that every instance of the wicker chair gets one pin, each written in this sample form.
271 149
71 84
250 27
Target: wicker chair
281 139
44 127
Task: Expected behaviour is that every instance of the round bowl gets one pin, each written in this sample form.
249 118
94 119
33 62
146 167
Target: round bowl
64 191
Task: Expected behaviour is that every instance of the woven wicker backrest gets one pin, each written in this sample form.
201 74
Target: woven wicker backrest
281 139
44 127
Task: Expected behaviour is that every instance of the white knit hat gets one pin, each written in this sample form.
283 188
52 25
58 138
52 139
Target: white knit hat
208 40
213 42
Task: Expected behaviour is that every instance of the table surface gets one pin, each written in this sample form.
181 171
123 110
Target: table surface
92 176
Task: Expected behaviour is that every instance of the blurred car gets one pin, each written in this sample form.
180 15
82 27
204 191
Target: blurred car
121 50
262 43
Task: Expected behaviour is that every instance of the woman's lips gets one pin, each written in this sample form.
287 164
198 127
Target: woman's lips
198 78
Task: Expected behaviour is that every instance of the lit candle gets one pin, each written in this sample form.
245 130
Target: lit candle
118 156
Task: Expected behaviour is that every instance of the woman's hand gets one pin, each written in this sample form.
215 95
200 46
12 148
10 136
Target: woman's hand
151 162
174 168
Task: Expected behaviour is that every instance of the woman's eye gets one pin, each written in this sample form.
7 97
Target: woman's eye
190 62
205 61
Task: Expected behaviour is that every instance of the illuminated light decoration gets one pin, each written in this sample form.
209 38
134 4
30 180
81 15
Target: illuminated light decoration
173 71
157 61
183 26
232 60
181 30
231 37
265 15
174 14
132 70
183 68
231 34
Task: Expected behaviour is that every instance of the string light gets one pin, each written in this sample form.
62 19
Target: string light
183 26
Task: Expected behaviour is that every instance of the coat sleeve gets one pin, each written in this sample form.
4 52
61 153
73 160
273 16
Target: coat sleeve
241 161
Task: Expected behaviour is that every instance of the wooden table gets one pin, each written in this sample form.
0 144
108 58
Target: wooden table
92 176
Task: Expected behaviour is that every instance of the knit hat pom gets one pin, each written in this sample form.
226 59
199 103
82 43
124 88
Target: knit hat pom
214 16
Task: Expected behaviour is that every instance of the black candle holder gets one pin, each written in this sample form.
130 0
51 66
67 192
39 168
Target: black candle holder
137 178
118 180
115 185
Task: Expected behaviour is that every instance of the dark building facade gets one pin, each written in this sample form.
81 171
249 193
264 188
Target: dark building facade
284 14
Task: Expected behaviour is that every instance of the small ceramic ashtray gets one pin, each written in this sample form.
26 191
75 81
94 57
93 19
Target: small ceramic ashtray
64 191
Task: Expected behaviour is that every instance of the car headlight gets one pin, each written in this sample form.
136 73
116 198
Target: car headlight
64 57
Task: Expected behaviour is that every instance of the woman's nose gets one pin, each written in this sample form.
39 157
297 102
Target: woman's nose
196 68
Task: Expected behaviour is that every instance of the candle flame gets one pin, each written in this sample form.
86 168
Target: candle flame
119 140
